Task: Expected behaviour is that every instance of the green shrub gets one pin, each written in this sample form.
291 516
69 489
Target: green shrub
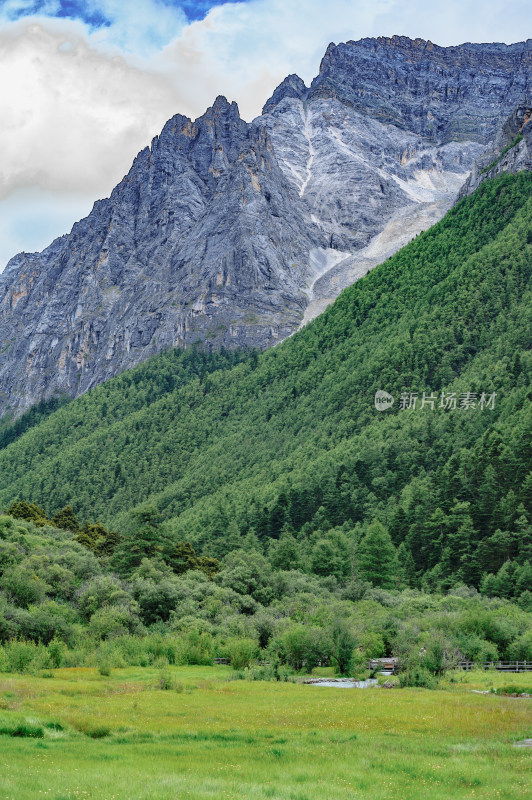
302 647
521 649
22 656
343 645
54 726
165 681
268 672
104 668
158 646
56 651
23 586
112 621
514 690
195 648
242 652
418 676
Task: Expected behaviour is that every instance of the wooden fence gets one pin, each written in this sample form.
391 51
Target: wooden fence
502 666
392 665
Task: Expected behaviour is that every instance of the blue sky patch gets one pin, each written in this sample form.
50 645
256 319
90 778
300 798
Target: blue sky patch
77 9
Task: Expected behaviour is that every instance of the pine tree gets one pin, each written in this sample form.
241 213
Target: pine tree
377 557
145 538
66 519
407 566
183 558
31 512
285 552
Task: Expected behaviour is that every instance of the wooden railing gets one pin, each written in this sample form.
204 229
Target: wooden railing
392 665
503 666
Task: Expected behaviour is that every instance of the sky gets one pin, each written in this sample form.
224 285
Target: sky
85 85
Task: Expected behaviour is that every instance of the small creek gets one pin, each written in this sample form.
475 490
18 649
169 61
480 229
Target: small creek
342 683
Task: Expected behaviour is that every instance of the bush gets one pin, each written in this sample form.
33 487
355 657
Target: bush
195 648
101 592
44 622
157 600
111 621
343 645
514 690
521 649
22 586
241 652
93 731
56 651
268 672
22 656
302 647
417 677
165 681
440 655
372 645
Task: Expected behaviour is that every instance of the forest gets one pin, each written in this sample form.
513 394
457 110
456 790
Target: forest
235 496
62 605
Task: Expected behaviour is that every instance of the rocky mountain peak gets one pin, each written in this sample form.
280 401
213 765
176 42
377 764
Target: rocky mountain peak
225 233
292 86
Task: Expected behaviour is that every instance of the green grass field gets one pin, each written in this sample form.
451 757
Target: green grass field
124 738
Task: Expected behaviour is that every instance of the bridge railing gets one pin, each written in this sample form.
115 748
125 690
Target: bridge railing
502 666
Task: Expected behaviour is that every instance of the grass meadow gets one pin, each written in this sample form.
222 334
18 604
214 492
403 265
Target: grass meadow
73 733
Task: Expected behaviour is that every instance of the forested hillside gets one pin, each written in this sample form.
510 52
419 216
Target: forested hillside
287 445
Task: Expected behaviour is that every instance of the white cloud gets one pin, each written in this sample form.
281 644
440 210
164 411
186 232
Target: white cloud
246 49
77 104
139 28
72 116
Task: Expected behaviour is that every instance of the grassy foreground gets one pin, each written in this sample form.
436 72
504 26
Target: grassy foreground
124 738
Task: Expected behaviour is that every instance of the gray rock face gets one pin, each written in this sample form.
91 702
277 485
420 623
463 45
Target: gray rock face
442 93
197 243
511 150
234 234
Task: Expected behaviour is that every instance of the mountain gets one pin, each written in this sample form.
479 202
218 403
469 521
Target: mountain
232 234
225 444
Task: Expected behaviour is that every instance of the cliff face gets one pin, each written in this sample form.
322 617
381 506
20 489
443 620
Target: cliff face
197 243
441 93
511 150
228 233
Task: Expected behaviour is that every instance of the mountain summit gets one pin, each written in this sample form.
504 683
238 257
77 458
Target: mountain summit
225 233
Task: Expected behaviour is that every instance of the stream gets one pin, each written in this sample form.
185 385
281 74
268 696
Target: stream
342 683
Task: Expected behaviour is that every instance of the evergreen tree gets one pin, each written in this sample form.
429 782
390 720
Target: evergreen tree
377 557
31 512
183 558
145 538
209 566
66 519
284 554
407 566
